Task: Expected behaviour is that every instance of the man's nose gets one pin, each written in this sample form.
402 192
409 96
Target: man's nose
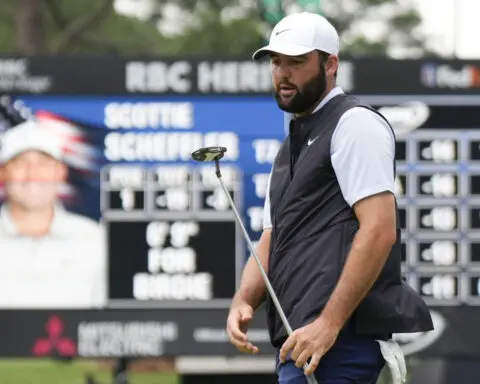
283 72
32 173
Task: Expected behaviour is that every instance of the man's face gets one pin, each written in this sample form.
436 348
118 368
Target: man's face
32 180
299 81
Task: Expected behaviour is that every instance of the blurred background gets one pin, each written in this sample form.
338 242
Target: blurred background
397 29
129 280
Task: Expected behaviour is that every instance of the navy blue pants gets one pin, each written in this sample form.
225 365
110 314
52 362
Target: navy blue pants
353 359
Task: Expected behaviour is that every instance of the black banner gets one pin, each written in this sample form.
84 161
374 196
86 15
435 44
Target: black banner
117 333
233 76
184 332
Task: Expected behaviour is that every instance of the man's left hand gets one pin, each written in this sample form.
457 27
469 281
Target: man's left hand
311 341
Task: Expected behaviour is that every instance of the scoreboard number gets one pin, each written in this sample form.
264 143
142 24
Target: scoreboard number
438 151
439 287
173 199
171 267
440 218
127 197
216 200
212 196
124 188
171 188
438 253
438 185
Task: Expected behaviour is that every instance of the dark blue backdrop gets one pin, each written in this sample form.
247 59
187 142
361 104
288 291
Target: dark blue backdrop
249 117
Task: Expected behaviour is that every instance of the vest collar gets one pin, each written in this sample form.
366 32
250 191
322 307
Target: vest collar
300 127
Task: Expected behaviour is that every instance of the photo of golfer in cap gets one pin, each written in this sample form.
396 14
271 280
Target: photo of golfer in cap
49 257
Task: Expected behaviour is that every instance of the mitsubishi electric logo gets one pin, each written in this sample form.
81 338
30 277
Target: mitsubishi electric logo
55 341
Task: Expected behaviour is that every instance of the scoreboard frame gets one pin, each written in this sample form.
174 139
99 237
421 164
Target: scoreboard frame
454 99
194 214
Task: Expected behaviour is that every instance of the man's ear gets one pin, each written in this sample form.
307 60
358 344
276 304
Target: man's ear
2 174
332 65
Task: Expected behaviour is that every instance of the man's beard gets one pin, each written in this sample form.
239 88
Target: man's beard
306 97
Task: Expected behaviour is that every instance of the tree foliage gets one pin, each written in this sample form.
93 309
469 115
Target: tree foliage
74 27
210 27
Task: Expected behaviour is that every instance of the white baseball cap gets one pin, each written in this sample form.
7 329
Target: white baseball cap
301 33
26 136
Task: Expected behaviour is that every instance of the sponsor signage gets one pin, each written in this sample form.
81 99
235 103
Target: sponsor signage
219 76
190 332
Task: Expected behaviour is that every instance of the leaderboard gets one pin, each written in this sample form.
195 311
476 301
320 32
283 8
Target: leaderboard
438 191
172 237
171 234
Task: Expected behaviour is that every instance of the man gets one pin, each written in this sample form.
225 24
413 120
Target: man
50 258
331 242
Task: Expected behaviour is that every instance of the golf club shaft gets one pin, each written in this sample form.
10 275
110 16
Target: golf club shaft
310 378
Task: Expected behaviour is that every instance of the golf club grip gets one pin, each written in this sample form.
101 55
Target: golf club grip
310 378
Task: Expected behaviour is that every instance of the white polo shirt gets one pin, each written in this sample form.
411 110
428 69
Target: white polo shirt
64 269
362 152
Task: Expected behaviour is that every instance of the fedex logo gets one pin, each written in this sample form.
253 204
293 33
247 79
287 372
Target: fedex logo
444 76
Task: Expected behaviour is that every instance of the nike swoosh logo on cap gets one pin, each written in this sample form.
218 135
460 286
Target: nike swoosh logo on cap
283 30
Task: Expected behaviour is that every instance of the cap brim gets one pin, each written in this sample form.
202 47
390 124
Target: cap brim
282 49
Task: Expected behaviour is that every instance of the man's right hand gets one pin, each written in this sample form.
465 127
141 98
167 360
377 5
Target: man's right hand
237 326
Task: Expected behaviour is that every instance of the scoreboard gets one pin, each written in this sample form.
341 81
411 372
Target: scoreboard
438 194
172 234
438 201
172 238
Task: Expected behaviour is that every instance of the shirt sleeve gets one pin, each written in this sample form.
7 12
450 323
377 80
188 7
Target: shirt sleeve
362 153
267 215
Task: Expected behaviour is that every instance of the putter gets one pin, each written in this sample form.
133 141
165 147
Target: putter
209 154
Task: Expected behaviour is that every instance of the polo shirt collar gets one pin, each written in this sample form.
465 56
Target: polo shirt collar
334 92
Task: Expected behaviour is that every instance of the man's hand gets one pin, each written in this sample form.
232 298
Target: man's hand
237 326
311 341
249 296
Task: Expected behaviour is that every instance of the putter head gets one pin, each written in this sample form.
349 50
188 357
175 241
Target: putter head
209 154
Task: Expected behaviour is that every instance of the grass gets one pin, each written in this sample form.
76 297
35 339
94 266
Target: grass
18 371
38 371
